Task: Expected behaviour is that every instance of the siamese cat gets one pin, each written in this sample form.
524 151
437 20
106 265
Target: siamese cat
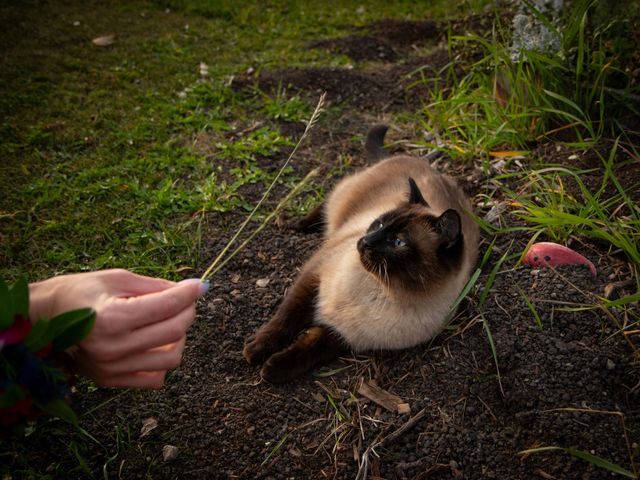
399 246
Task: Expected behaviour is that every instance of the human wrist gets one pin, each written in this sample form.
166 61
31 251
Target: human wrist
42 299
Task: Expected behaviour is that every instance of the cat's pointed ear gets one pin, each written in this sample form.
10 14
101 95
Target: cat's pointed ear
450 228
415 195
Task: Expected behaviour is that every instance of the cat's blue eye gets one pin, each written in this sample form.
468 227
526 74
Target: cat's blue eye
398 242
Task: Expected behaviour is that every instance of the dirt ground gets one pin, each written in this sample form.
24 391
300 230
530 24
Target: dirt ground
572 382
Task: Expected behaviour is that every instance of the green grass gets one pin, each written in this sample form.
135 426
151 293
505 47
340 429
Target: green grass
111 154
556 202
504 103
502 108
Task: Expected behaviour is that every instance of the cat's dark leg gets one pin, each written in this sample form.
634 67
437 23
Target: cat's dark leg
313 222
314 346
292 317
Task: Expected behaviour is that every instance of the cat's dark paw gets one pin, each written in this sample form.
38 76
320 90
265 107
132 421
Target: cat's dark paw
279 368
295 225
258 348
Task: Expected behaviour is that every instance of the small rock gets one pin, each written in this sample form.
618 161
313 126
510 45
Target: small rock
495 214
169 452
204 69
262 282
609 290
455 469
610 364
104 41
148 425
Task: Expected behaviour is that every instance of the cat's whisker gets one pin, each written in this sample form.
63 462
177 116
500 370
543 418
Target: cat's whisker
385 274
422 281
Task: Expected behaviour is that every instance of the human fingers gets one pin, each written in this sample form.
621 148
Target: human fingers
124 283
148 309
86 366
103 348
134 380
158 359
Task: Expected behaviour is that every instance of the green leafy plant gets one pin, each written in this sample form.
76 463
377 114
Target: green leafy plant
505 101
546 203
31 384
281 107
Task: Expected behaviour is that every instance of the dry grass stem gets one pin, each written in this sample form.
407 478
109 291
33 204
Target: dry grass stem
312 121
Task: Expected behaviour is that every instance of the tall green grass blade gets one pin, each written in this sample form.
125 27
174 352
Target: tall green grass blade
494 352
581 50
531 307
589 457
487 253
600 462
338 412
330 373
634 298
275 449
491 278
467 288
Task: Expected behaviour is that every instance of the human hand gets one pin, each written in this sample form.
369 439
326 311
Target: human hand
140 328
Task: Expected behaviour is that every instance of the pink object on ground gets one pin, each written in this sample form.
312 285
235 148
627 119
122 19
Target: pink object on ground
548 253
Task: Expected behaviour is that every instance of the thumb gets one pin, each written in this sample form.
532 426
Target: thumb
198 287
158 306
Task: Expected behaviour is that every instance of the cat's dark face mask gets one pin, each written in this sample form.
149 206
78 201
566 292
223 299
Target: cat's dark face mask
410 248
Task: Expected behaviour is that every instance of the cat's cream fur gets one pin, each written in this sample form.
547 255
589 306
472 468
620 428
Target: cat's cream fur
363 310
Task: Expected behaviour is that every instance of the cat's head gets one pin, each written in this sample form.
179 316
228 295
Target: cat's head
410 248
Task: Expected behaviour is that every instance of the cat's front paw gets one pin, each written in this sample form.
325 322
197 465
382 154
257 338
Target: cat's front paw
258 348
279 368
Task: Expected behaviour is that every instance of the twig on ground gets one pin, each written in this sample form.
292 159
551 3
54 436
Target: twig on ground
382 397
381 441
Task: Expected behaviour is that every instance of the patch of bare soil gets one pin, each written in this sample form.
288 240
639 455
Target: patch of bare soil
569 380
386 41
359 47
376 89
388 85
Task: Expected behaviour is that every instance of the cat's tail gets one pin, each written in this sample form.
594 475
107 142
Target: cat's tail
374 145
